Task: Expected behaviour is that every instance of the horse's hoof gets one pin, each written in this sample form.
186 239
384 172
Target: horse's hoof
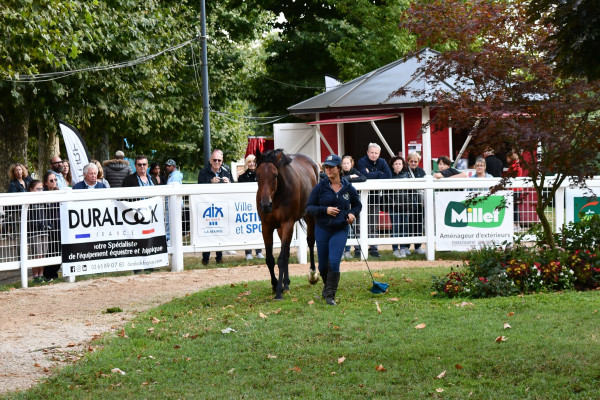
278 297
286 288
313 277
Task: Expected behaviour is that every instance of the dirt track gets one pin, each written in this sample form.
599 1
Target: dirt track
43 328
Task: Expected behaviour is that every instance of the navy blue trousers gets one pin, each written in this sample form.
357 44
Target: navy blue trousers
330 246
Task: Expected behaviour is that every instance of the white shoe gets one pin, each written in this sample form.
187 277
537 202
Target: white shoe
420 251
347 255
249 257
407 252
399 253
231 252
260 255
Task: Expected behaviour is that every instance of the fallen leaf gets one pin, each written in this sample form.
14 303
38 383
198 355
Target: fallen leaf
228 330
231 371
336 327
145 383
507 326
296 369
378 308
71 344
380 368
394 299
150 330
341 360
37 365
122 334
31 314
420 326
262 315
117 371
465 304
442 375
501 339
510 314
294 299
439 390
333 373
378 275
277 311
433 293
177 346
458 366
271 356
408 280
155 320
311 302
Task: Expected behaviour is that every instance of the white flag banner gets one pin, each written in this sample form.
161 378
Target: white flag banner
76 150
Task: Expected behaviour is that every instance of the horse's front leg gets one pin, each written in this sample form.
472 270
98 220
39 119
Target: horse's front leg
285 233
268 239
313 275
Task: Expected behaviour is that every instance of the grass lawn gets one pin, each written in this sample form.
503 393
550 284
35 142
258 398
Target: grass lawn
301 348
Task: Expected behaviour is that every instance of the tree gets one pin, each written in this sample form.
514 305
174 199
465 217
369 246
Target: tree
577 34
497 60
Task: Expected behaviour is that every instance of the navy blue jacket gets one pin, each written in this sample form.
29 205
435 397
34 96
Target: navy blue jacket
374 170
324 196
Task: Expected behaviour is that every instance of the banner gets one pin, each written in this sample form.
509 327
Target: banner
461 227
76 150
111 235
223 219
580 201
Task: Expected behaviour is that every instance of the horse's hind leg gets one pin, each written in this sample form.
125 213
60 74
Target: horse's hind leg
313 276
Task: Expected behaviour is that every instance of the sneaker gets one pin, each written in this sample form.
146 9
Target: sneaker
38 279
47 280
347 255
374 253
260 255
420 251
231 252
399 253
249 257
407 252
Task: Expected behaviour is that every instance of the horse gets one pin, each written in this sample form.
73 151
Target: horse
285 182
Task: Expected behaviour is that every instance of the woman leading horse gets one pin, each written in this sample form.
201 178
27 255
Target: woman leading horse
284 185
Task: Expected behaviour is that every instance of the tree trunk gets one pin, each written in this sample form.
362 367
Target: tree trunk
546 226
13 146
48 146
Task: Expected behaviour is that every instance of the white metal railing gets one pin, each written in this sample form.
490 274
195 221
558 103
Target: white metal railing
373 219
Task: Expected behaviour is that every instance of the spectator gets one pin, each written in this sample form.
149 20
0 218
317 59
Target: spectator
140 177
374 168
414 222
494 165
335 204
515 171
399 204
90 178
53 217
66 172
215 172
352 175
19 178
446 170
38 227
249 175
100 177
117 169
56 167
156 176
480 169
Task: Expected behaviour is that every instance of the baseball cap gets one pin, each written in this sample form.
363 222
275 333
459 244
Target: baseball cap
333 160
170 162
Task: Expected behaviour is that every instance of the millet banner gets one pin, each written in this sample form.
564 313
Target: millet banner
460 226
579 201
111 235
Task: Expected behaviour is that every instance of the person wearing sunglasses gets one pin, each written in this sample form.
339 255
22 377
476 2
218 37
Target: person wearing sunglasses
50 180
56 167
214 172
140 177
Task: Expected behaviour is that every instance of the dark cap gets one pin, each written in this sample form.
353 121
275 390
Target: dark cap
170 162
333 160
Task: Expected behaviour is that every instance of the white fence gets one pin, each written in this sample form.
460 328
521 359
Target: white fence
376 219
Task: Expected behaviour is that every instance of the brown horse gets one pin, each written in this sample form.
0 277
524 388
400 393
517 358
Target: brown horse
284 185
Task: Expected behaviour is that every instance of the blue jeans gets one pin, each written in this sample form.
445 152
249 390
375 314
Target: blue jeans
330 246
403 225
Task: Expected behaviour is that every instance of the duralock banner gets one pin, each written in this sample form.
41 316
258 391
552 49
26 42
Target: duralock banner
111 235
76 150
461 226
224 218
578 201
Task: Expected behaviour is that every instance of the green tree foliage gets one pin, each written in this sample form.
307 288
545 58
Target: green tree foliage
498 63
155 104
577 34
342 38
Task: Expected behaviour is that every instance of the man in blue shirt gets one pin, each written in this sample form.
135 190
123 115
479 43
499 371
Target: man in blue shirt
90 176
56 167
374 167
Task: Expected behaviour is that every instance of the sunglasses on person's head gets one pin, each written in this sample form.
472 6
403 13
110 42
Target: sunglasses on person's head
217 160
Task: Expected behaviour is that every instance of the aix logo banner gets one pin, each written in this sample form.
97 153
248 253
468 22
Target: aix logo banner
465 225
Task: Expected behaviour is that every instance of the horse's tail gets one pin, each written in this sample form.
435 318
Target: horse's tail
302 223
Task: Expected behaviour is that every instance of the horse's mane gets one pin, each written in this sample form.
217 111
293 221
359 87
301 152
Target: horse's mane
276 157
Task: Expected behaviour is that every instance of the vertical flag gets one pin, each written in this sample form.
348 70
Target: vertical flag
76 150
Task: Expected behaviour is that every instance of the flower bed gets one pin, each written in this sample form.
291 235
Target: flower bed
521 268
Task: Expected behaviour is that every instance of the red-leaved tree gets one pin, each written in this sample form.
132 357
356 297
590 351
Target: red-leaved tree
496 62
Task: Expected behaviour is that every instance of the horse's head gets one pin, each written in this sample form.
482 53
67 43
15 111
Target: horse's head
267 176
